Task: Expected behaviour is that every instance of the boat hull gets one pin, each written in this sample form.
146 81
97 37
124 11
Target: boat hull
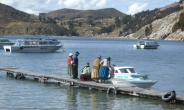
136 46
26 49
149 46
134 83
145 47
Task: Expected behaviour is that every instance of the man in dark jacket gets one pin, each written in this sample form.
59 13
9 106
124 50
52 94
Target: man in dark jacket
75 65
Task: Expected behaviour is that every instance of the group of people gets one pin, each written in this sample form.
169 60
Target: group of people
100 69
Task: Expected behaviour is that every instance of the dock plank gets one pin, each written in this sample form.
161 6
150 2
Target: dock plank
133 91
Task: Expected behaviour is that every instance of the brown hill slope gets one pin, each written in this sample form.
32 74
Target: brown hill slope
15 22
103 22
170 27
68 14
9 14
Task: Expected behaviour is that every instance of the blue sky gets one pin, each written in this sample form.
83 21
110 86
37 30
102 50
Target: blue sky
125 6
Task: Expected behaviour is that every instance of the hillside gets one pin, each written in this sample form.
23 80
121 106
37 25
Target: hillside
169 27
9 14
161 23
15 22
70 14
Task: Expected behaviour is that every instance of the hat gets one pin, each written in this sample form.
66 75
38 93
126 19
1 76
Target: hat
87 64
70 54
99 56
77 53
109 58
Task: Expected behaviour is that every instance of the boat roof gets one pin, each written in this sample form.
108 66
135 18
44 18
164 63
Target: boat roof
121 67
4 40
146 41
37 39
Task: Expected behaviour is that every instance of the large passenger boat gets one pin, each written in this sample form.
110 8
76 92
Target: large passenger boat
34 45
148 44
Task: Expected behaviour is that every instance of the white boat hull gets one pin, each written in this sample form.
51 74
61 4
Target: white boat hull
22 49
145 47
134 83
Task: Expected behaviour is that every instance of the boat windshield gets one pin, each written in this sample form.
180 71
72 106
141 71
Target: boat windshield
17 44
140 42
127 70
151 42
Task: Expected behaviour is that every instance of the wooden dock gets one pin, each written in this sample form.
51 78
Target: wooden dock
133 91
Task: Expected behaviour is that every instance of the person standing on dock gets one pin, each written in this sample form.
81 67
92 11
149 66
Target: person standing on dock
75 65
104 69
96 66
70 68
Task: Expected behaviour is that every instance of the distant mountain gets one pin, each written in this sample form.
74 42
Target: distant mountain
15 22
9 14
161 23
68 14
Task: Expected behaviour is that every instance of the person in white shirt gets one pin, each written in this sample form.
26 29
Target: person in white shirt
104 69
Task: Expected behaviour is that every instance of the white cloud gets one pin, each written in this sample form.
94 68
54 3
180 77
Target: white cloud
48 1
101 3
7 2
60 2
93 2
136 7
45 6
71 3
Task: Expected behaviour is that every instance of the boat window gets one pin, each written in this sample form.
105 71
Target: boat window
123 71
131 70
25 43
141 42
20 43
116 71
33 43
16 44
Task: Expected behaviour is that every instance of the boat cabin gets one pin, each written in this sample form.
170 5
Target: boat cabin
150 42
126 72
33 42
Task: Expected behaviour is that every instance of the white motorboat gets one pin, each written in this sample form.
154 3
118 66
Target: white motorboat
127 76
34 45
147 44
5 41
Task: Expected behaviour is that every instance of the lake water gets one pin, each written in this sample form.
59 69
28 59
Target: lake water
165 64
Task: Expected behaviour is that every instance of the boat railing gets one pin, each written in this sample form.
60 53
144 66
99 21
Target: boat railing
39 45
